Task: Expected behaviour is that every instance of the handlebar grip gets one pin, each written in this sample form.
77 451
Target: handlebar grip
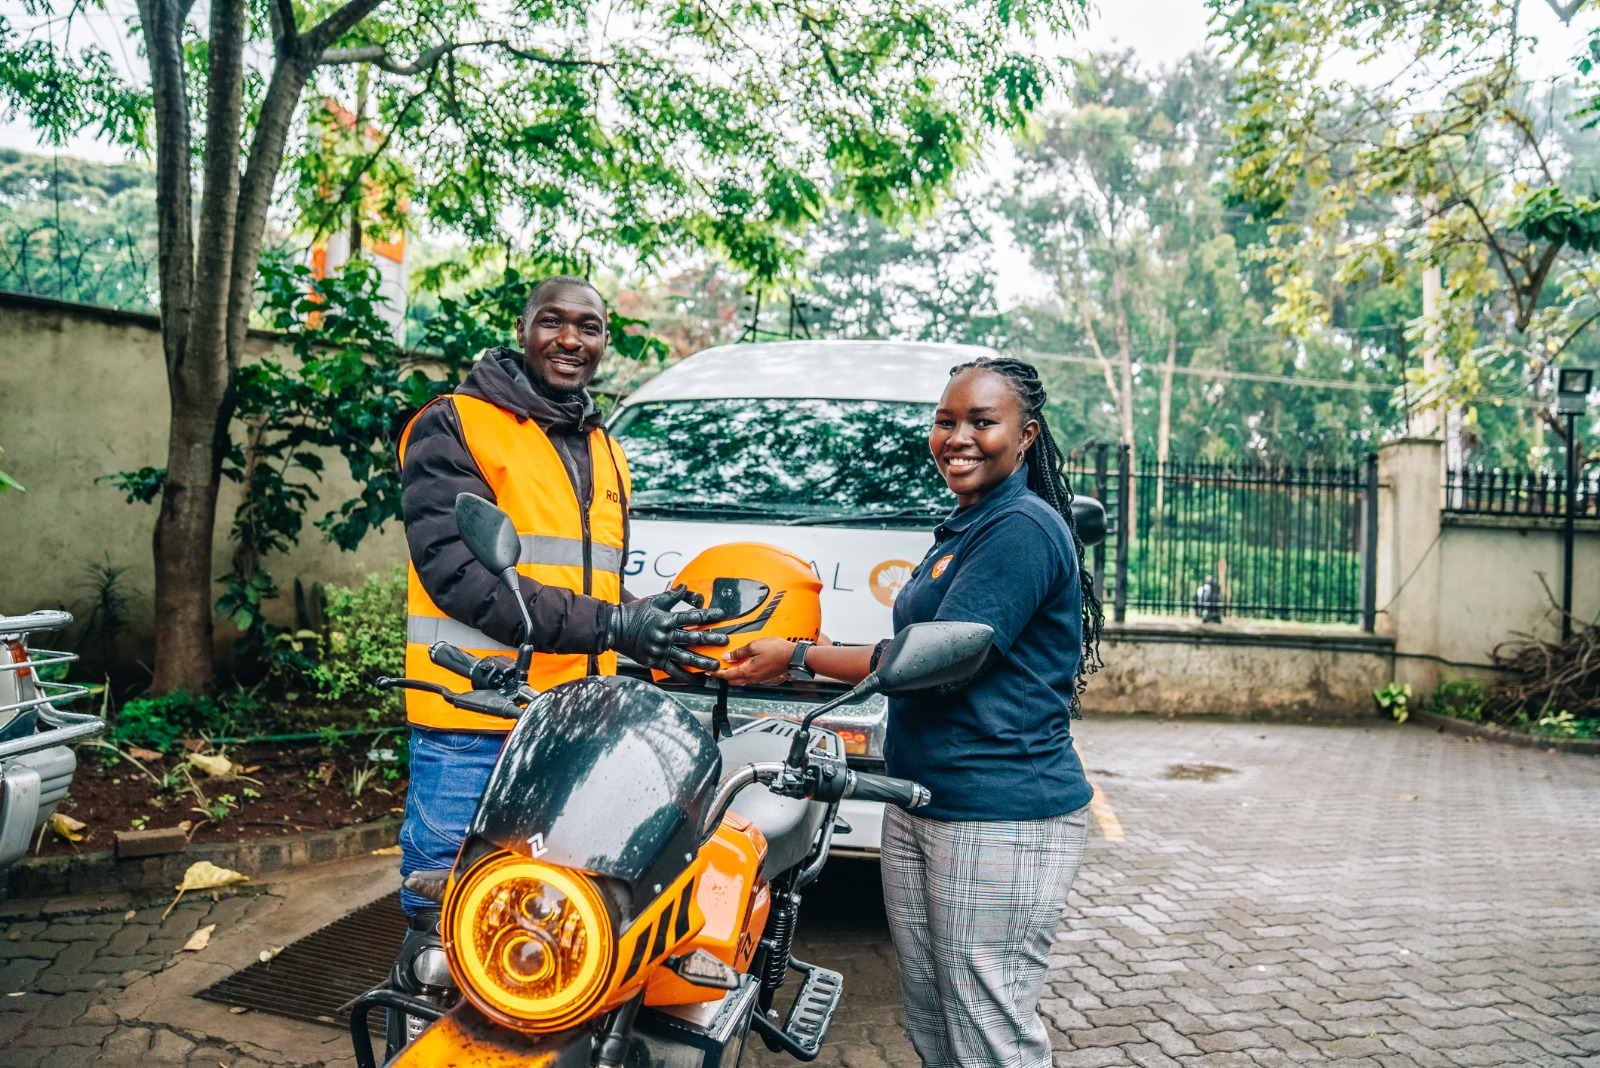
865 786
450 658
487 702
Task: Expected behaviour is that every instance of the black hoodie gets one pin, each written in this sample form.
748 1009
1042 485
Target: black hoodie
439 466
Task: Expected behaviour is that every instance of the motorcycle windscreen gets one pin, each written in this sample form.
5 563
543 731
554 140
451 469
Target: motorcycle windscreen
608 775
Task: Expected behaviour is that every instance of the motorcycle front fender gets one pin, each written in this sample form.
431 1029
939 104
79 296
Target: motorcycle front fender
465 1038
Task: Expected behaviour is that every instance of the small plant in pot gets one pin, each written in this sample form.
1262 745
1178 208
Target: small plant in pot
1394 700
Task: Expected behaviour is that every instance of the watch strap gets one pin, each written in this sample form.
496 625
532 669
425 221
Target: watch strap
797 661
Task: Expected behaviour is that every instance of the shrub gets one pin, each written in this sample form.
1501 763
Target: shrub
364 637
158 722
1460 699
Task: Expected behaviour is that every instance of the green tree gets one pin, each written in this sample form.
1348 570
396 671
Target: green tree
1451 163
574 128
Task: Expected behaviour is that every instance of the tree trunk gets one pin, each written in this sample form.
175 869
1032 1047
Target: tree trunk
1164 431
1119 288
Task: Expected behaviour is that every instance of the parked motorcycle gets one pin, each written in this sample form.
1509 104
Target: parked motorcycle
36 761
628 890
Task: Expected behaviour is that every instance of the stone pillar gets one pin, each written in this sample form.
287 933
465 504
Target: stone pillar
1409 503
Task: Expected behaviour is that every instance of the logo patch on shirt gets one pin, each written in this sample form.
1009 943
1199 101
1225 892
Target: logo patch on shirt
943 565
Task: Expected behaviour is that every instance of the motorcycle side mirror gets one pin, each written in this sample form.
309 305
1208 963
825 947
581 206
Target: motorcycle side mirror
1089 517
492 537
925 655
488 533
922 655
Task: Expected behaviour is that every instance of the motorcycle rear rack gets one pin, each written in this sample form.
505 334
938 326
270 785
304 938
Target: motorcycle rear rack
807 1023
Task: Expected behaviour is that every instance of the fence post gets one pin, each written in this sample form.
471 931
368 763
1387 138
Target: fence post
1101 487
1369 549
1124 481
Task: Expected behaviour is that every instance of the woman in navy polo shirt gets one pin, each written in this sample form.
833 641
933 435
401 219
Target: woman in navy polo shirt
976 880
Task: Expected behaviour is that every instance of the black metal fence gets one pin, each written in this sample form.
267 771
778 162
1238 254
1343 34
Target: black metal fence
1540 492
1250 541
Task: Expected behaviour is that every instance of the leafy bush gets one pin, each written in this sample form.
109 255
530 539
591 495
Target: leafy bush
158 722
1459 699
1394 699
364 637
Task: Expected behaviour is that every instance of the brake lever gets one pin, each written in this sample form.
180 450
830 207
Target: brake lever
384 682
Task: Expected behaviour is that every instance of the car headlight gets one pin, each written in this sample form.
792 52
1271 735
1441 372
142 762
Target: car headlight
530 944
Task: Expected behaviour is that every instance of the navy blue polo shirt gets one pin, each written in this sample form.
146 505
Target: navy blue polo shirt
1000 748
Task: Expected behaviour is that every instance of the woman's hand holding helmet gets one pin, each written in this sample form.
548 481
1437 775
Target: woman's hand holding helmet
763 662
648 632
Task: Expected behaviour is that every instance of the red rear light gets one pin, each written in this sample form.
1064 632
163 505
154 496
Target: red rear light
19 655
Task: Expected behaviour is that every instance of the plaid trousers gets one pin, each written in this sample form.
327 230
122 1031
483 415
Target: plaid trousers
973 907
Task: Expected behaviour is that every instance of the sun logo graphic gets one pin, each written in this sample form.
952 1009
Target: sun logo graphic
887 578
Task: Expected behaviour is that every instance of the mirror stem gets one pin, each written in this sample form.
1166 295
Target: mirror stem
525 647
864 688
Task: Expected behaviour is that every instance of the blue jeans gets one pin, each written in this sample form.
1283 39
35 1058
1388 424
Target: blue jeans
449 770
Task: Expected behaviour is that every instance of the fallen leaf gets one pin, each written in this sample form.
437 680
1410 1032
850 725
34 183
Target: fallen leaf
387 851
200 939
15 936
214 766
66 827
204 875
238 1010
16 993
252 769
130 914
1408 797
146 755
325 772
194 745
185 825
267 954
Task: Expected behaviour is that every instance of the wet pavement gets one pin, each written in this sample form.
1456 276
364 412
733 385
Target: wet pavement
1253 895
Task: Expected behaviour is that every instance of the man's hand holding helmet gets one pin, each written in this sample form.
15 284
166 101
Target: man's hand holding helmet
649 633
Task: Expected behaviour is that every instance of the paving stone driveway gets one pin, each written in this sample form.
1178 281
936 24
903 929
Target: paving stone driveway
1279 894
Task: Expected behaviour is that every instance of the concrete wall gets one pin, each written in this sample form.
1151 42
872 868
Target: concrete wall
1452 587
1237 669
83 394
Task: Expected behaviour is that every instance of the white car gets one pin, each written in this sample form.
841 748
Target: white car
818 447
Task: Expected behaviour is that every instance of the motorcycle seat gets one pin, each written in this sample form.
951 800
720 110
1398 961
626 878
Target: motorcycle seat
788 824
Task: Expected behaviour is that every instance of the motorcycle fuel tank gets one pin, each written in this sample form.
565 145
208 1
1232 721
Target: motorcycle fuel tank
607 775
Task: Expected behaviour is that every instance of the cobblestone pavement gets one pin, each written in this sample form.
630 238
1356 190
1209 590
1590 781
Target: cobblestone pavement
1254 895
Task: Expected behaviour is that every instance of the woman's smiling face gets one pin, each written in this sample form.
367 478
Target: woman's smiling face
979 433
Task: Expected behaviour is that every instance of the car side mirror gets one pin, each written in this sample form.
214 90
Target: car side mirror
925 655
1089 517
488 533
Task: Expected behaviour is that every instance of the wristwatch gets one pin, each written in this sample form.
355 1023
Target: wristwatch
797 663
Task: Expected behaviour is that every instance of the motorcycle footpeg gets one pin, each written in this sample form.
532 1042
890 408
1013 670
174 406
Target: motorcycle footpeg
807 1023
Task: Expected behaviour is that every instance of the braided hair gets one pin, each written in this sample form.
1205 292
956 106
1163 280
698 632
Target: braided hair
1048 479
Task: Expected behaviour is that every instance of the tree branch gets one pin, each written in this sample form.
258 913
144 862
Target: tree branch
339 23
284 28
378 56
1565 13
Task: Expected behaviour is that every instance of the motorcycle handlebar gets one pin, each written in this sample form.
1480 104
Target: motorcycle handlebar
450 658
865 786
487 702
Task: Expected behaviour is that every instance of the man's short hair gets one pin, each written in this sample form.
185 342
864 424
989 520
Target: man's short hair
556 281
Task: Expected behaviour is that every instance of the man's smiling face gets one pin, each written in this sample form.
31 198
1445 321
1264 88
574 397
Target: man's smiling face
563 336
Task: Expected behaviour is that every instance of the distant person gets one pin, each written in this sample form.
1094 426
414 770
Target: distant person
975 882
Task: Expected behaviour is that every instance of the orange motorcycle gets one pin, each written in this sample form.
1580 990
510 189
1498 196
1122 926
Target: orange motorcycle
629 887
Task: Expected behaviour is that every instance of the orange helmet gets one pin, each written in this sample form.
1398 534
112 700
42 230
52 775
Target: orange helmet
763 591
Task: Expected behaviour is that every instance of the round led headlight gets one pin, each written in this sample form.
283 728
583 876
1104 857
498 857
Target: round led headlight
530 944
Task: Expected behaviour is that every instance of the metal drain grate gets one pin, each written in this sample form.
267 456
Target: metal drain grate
316 978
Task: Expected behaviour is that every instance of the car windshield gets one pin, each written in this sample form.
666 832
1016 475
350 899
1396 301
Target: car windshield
795 460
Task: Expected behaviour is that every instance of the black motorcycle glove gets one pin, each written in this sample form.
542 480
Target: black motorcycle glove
649 633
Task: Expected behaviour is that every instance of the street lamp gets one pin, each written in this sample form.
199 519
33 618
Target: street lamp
1572 400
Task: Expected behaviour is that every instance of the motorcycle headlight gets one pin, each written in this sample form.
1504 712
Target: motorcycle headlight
530 944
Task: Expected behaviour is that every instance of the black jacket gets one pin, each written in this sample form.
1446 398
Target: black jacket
439 466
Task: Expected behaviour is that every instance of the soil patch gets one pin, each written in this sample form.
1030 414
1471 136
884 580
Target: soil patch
281 790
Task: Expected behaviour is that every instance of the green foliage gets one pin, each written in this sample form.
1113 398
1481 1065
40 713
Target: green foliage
1456 161
1460 699
159 722
365 637
138 487
78 231
7 483
106 609
1394 698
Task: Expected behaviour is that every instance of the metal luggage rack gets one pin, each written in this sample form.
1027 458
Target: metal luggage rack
57 727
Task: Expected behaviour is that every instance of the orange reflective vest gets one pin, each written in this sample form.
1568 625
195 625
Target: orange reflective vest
561 546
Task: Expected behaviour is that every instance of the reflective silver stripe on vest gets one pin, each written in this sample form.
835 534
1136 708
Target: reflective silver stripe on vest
568 552
425 630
